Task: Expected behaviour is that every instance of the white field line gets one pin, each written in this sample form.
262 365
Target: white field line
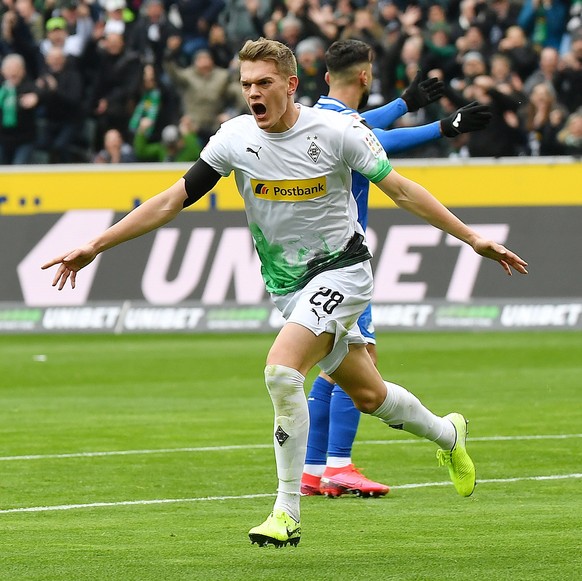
266 446
251 496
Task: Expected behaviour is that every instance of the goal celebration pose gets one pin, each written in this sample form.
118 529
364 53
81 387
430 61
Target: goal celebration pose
292 167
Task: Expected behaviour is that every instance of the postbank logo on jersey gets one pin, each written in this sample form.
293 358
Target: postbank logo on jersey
289 190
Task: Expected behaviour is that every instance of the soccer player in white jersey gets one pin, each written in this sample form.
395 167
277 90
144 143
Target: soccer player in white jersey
292 167
333 418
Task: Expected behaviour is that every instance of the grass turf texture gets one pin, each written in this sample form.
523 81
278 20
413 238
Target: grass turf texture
140 393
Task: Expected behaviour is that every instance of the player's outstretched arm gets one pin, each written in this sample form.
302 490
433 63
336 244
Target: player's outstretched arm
150 215
416 199
403 138
471 117
419 94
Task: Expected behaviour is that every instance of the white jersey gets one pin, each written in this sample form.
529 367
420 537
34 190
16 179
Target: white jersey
296 187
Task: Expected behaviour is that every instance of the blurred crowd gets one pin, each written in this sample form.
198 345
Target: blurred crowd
112 81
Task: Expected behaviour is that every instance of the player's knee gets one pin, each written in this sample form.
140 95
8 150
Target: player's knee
285 387
367 401
281 380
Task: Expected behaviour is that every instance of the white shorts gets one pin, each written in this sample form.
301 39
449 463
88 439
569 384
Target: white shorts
331 303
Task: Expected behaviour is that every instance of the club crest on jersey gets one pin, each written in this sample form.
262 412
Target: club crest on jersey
314 152
289 190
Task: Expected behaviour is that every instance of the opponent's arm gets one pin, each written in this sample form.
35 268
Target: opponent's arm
471 117
385 115
403 138
153 213
416 199
419 94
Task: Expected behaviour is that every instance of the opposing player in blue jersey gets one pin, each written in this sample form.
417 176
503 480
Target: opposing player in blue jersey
333 417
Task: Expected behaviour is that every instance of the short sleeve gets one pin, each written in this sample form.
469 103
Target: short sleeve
217 152
364 153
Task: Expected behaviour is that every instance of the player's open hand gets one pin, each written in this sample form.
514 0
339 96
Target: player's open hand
508 260
421 93
472 117
69 264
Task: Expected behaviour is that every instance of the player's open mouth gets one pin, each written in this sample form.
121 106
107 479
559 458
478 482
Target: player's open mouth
259 110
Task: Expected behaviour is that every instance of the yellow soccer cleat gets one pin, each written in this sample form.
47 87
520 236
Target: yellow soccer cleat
279 529
459 463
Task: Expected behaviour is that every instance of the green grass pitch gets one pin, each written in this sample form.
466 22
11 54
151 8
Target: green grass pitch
148 458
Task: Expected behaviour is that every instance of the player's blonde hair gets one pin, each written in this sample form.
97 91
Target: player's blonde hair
264 49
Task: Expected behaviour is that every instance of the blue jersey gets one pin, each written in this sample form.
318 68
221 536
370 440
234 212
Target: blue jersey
360 185
392 140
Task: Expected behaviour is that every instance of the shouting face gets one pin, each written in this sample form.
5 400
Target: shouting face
269 95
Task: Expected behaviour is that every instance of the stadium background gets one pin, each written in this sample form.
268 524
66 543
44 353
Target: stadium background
201 274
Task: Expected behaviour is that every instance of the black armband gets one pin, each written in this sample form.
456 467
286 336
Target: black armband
200 179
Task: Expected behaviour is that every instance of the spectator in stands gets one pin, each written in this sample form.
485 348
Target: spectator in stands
59 88
80 15
543 119
405 48
546 71
178 143
474 40
117 78
57 35
573 24
570 137
237 104
363 27
197 17
343 14
503 74
206 90
244 19
544 21
326 22
270 30
118 18
18 102
31 17
505 14
466 17
220 49
568 81
473 65
154 101
150 33
310 54
16 37
115 149
504 136
516 46
291 31
386 12
304 10
440 51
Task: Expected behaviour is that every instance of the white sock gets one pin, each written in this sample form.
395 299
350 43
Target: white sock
314 469
334 462
285 387
403 410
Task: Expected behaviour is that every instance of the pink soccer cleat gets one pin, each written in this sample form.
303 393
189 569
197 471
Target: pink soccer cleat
310 485
338 481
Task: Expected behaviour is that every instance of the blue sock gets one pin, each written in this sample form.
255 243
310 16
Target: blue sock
318 402
343 424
